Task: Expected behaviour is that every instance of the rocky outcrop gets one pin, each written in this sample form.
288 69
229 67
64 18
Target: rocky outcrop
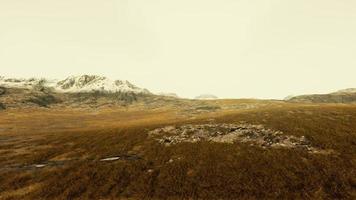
230 133
44 100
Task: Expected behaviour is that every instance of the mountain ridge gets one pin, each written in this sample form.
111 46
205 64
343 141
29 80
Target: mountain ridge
75 84
341 96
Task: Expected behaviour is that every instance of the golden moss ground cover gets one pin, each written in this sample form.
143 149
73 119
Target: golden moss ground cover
202 170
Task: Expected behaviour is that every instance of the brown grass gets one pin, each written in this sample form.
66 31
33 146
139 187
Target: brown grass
196 171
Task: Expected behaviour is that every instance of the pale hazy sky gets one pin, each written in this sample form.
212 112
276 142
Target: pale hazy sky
230 48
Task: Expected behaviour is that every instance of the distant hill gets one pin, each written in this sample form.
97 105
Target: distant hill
341 96
168 94
289 97
206 97
348 91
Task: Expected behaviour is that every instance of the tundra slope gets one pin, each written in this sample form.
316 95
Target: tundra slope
111 153
341 96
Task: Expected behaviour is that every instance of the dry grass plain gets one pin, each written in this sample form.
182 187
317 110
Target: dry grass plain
71 143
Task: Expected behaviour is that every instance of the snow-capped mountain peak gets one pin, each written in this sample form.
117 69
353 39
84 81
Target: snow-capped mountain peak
74 84
88 83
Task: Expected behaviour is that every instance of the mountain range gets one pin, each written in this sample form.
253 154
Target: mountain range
94 90
75 84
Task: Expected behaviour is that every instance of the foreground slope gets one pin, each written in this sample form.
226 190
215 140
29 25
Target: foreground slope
106 153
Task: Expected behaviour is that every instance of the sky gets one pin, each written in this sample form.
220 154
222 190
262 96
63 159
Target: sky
229 48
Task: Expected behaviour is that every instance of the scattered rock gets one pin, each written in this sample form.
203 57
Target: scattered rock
190 172
59 163
40 165
122 157
46 164
2 106
110 159
256 135
2 90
